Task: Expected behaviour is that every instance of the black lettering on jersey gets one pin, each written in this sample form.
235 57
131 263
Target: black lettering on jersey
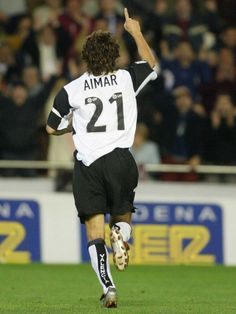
86 85
106 82
91 82
113 79
100 82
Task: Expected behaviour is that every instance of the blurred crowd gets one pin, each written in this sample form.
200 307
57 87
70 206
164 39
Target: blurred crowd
186 116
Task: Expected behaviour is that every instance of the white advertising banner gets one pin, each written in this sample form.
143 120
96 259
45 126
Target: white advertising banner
175 223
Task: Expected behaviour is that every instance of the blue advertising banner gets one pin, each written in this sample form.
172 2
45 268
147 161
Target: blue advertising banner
19 231
173 233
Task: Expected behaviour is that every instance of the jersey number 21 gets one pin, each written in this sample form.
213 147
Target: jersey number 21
117 98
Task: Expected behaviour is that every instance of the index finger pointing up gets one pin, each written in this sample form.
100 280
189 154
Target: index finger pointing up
126 14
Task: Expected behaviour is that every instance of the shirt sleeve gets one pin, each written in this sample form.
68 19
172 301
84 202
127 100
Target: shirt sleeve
60 110
141 73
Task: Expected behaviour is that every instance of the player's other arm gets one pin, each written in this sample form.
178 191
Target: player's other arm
52 131
133 28
59 120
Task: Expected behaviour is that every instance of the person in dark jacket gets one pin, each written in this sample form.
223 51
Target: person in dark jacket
184 130
19 125
220 135
184 24
186 70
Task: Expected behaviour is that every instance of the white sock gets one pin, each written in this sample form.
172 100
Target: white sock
100 263
125 230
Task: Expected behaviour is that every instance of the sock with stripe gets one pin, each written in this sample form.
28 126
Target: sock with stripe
100 263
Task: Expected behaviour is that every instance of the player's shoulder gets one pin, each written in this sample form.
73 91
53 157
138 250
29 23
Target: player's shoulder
122 72
75 84
139 63
140 66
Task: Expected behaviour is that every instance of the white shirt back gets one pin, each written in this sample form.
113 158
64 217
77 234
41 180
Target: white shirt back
104 110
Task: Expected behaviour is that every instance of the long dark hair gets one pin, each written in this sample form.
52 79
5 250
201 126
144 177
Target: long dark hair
100 52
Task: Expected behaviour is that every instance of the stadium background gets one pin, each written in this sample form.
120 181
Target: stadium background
187 116
186 121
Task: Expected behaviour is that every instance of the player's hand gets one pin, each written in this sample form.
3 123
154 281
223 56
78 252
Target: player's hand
130 25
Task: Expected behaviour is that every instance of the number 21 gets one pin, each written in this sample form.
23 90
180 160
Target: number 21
117 97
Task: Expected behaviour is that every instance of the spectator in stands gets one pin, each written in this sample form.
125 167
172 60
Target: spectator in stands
19 124
229 39
48 31
23 30
90 8
144 150
50 57
184 129
18 128
155 21
211 16
34 46
2 85
224 80
153 104
184 24
185 69
10 12
75 22
220 135
9 70
48 13
44 50
3 19
109 13
227 11
31 79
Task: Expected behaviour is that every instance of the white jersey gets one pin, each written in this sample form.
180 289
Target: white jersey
104 110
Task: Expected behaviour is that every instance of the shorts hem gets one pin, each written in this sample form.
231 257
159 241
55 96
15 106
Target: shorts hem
85 217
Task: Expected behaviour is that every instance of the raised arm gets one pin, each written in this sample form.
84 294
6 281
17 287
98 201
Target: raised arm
133 28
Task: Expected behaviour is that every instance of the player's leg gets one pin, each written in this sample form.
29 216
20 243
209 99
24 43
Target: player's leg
95 227
121 176
90 202
119 236
100 259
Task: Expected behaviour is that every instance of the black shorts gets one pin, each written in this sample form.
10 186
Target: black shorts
106 186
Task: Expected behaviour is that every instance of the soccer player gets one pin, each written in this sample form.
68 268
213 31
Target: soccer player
102 103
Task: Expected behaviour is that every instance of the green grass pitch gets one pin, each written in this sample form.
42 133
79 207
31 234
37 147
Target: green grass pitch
142 289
